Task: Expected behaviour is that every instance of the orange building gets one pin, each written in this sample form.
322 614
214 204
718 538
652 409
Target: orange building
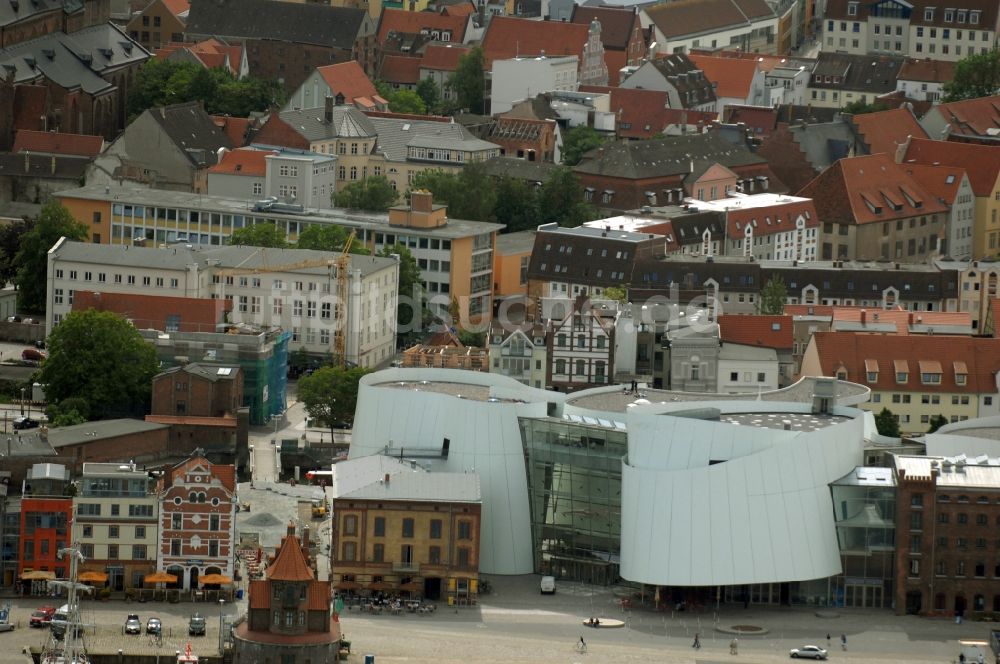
46 520
161 22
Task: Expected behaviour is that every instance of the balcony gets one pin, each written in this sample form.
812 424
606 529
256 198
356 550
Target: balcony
412 567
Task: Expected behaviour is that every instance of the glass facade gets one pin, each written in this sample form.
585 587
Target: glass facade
139 223
574 488
866 532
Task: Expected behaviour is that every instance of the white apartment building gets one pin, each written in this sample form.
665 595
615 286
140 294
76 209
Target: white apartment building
516 79
747 369
519 353
292 289
116 513
298 178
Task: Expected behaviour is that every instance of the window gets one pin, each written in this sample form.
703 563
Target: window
914 567
176 521
140 531
464 530
963 518
175 547
408 527
434 555
213 521
379 526
88 531
113 532
463 557
916 521
350 551
350 524
378 552
435 529
138 552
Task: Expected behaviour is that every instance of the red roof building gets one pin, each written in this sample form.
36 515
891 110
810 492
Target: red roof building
509 37
733 78
164 313
289 611
761 331
621 34
252 163
210 53
873 209
50 142
885 131
760 121
445 27
239 130
400 71
972 120
644 113
442 58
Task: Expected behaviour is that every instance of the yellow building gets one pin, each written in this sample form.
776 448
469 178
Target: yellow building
917 377
510 270
408 531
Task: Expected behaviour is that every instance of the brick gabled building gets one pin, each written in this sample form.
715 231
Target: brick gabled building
197 521
621 34
289 613
581 347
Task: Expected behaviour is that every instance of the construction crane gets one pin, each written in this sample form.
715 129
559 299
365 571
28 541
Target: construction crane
343 293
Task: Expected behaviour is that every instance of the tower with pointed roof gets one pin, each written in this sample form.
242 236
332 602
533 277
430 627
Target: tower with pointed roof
290 614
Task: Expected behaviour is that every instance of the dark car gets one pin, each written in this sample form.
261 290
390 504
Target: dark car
32 355
154 626
196 625
24 423
42 616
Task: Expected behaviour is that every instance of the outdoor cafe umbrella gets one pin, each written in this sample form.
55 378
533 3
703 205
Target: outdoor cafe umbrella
412 587
38 575
93 577
160 577
348 585
210 579
380 585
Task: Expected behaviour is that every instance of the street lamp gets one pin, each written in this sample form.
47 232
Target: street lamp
222 603
22 401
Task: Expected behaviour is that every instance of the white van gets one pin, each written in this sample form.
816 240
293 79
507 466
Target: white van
548 585
59 619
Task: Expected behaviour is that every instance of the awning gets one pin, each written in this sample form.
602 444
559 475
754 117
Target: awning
93 577
380 585
211 579
38 575
160 577
412 587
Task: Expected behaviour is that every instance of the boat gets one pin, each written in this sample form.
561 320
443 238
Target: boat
70 649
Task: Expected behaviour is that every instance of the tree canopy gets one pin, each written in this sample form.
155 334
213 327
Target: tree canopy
32 259
407 101
328 238
975 76
11 237
330 395
100 358
772 297
469 81
860 107
936 422
162 82
886 423
429 92
412 315
577 141
259 235
373 193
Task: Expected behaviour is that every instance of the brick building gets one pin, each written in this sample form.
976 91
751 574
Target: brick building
581 347
289 616
403 531
102 440
163 313
46 519
197 521
946 561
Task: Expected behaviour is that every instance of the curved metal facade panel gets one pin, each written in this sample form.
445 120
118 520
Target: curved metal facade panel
760 513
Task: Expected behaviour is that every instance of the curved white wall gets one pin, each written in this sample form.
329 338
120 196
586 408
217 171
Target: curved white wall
484 437
763 516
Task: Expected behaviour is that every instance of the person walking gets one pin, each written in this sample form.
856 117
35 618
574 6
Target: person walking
828 640
843 642
582 645
733 645
981 659
697 641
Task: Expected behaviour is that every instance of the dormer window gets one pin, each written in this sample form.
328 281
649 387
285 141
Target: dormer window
930 372
929 14
852 9
902 371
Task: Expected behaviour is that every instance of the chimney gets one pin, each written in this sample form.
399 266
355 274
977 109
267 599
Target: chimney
421 200
291 528
305 537
864 316
328 110
386 479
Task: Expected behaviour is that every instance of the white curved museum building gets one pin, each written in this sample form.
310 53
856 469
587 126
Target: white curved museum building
655 487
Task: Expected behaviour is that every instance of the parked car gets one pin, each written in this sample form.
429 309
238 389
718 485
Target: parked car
32 355
196 625
154 626
811 652
132 624
24 423
548 585
42 616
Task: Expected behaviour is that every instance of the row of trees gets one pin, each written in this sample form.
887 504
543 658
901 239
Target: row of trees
888 425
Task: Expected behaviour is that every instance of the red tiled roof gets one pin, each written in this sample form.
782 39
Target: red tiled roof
732 78
901 319
225 473
442 58
348 79
509 37
459 9
290 564
319 596
850 351
762 331
259 594
690 17
244 632
809 310
982 162
927 71
400 69
767 220
761 119
884 131
177 7
52 142
617 23
846 191
971 117
614 61
935 180
243 162
413 23
645 112
235 128
29 106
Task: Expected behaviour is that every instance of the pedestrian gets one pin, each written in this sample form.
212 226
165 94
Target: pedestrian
733 645
828 640
843 642
697 641
981 659
961 658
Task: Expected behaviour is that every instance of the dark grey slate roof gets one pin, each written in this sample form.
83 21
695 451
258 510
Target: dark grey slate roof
300 23
866 73
26 9
395 135
684 75
673 155
72 61
823 143
210 372
50 167
192 130
347 121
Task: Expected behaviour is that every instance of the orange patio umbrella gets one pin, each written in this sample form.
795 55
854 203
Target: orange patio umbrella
160 577
210 579
93 577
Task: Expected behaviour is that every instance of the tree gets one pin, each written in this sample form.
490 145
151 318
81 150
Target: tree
469 81
886 423
327 238
428 90
616 293
11 237
373 193
937 421
860 107
975 76
560 200
100 356
407 101
469 194
259 235
32 259
330 395
516 204
472 339
411 306
772 297
577 141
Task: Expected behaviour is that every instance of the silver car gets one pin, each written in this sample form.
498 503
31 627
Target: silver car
132 624
811 652
154 626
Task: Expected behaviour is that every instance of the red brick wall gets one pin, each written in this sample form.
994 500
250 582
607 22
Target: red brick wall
139 447
201 397
278 132
196 314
